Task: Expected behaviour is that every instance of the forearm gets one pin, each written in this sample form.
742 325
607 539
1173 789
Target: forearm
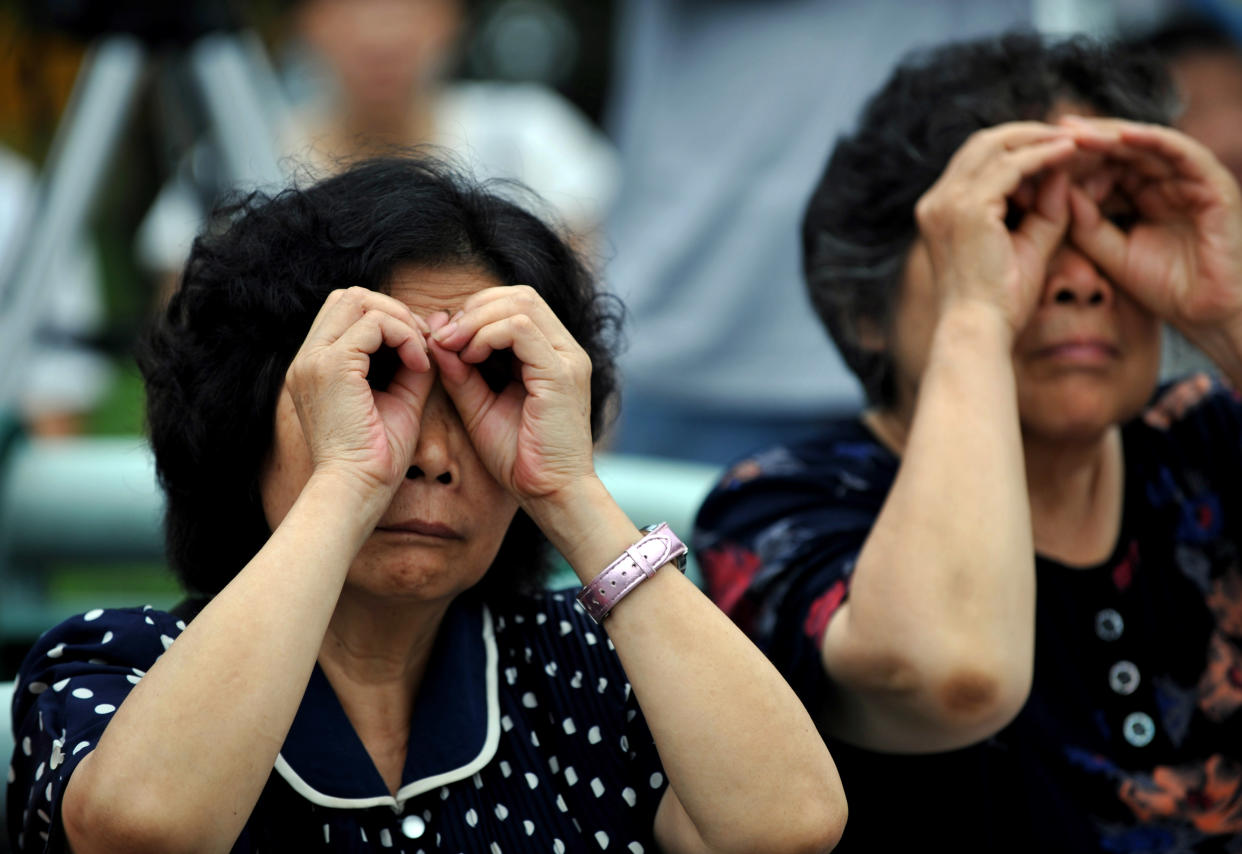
939 626
190 749
741 753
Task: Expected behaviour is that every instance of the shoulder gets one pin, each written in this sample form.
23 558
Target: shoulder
124 641
841 467
136 631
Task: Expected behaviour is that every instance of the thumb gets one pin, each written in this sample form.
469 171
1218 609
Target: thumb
1093 233
463 383
1045 224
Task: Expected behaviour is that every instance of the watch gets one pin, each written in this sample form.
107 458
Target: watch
636 564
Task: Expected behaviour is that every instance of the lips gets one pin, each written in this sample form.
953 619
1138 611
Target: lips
426 529
1082 350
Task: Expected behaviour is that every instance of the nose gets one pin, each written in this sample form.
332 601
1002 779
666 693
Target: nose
434 457
1073 279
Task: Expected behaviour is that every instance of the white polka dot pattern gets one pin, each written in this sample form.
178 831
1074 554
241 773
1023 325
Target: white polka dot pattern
563 710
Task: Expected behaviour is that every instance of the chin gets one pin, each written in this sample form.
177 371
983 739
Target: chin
1085 415
425 581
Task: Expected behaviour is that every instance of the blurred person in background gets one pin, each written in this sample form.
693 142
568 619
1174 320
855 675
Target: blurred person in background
368 434
720 111
1206 64
1003 593
65 376
375 75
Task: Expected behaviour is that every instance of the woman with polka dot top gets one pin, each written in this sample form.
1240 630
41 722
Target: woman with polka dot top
372 404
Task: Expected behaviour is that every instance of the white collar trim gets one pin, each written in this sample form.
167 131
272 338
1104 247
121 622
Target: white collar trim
426 784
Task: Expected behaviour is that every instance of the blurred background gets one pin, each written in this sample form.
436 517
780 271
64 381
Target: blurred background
675 140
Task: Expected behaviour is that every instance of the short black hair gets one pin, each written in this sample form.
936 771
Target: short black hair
859 223
215 360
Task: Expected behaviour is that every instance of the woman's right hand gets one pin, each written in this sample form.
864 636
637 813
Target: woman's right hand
974 254
365 434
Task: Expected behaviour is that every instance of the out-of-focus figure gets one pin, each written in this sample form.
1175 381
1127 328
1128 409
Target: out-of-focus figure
1206 65
723 113
378 79
64 377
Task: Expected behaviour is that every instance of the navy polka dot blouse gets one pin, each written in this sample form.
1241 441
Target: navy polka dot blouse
525 737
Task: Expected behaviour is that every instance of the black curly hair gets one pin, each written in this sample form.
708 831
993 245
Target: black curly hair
859 223
215 360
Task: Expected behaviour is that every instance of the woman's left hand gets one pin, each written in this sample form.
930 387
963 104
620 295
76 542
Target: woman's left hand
534 435
1182 257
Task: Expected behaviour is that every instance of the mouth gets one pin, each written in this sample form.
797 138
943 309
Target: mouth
420 528
1085 351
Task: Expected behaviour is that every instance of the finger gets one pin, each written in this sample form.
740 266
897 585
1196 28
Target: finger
1003 177
343 308
1095 235
1162 153
1179 399
1189 158
521 335
1091 131
1045 225
1148 149
411 386
376 329
493 304
465 386
983 147
1156 418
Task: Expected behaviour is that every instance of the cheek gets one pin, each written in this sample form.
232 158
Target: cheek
1143 335
501 508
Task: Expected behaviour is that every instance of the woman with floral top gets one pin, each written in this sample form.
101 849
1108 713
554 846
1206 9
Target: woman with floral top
1014 606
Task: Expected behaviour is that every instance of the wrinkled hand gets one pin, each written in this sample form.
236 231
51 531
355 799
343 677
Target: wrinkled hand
973 253
365 434
534 435
1182 257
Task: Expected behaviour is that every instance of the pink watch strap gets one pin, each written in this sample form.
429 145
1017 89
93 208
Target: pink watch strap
635 565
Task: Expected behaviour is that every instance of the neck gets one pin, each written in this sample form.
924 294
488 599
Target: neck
1076 488
1076 491
375 654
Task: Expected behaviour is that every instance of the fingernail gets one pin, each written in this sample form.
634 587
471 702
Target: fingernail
445 331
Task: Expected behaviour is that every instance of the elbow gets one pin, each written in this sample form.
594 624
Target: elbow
943 699
977 698
820 817
817 831
820 828
806 822
125 822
